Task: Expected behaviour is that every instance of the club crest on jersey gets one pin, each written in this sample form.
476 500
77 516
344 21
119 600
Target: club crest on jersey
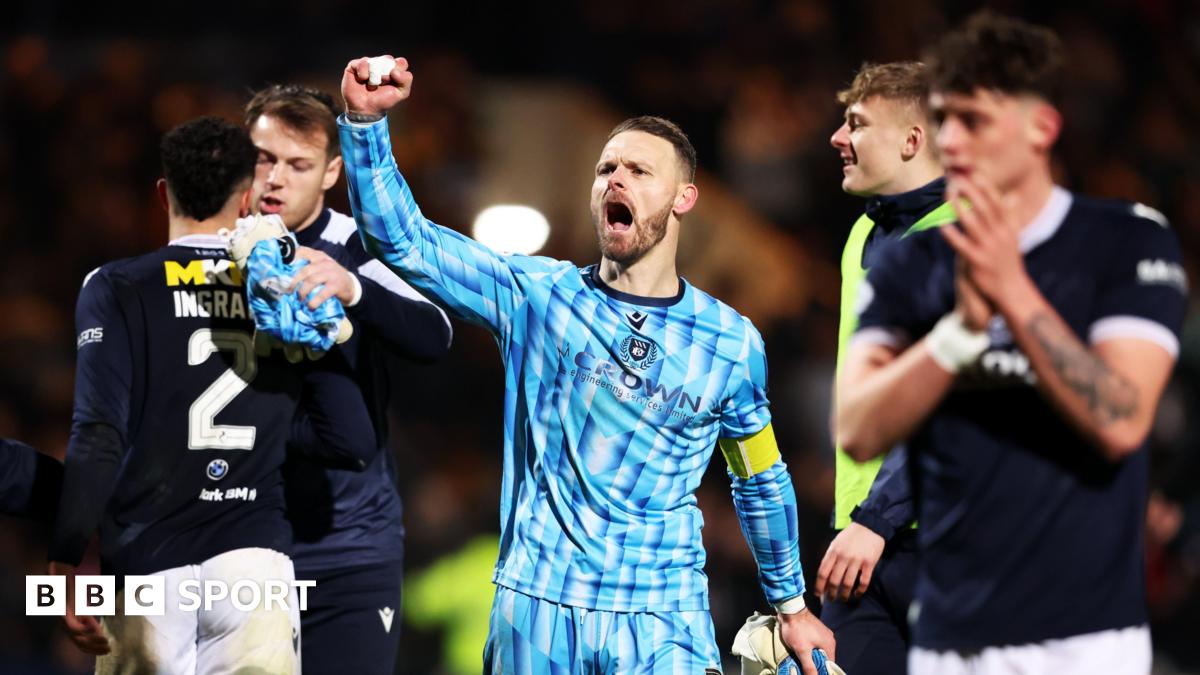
217 469
638 352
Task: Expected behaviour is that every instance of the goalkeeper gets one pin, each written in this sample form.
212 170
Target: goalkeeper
621 378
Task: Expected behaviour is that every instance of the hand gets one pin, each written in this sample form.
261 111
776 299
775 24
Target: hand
85 631
369 99
848 564
987 242
974 309
1164 518
322 271
802 632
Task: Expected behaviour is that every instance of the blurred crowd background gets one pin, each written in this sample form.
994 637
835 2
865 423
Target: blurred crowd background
511 104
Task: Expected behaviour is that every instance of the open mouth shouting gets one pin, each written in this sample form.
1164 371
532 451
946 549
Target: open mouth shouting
618 216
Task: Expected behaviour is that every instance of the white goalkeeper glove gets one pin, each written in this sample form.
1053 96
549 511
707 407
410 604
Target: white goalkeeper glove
763 653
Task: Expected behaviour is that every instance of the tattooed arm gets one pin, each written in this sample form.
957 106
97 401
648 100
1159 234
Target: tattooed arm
1109 392
1109 388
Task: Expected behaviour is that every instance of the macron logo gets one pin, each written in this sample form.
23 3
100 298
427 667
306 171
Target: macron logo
385 615
636 319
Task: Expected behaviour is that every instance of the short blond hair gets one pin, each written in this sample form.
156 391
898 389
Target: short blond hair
900 81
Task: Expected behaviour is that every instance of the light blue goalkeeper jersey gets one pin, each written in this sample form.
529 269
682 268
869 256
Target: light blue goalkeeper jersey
613 406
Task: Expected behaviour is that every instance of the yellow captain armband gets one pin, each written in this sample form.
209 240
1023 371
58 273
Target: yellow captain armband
752 454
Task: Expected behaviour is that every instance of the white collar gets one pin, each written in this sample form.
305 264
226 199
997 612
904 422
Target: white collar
200 241
1047 221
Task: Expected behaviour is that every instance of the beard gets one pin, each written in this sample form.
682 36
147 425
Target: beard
627 250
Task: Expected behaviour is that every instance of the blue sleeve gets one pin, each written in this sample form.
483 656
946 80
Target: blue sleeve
30 482
889 506
765 502
766 509
100 422
407 324
746 409
468 279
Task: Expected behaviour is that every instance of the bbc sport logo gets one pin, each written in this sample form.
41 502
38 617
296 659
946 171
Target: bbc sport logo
96 595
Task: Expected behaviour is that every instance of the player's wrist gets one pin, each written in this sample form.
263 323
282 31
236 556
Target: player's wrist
791 606
953 346
354 296
1019 299
360 117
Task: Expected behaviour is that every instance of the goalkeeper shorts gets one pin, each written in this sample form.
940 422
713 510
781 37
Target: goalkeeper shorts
529 636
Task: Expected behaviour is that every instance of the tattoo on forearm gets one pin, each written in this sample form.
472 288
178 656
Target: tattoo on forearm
1108 395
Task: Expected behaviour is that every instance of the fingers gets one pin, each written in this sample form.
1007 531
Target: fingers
319 295
807 666
402 80
360 68
399 75
400 70
87 634
984 193
836 577
312 255
983 215
970 214
825 570
321 279
864 579
849 580
962 244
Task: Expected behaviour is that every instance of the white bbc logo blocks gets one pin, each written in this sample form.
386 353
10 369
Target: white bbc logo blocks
145 595
95 595
45 595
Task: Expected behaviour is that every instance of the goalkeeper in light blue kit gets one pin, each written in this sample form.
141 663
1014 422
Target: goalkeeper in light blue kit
620 380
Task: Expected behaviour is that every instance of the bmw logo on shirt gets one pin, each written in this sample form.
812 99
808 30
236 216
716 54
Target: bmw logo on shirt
217 469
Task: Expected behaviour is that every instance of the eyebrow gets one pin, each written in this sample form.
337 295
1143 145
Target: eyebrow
635 163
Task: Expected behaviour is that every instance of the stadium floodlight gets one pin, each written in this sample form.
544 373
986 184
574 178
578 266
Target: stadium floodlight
511 228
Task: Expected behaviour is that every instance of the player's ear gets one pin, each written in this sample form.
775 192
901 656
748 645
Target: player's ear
914 140
332 170
685 199
1044 125
160 187
244 202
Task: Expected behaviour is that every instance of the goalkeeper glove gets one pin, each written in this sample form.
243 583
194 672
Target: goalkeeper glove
265 253
763 653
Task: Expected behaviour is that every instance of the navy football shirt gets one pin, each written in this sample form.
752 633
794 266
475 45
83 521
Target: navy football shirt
345 517
181 416
1027 534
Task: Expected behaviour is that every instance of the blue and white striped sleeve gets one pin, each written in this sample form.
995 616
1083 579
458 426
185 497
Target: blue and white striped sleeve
766 508
763 495
470 280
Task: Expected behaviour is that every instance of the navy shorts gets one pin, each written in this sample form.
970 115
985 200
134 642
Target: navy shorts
352 624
